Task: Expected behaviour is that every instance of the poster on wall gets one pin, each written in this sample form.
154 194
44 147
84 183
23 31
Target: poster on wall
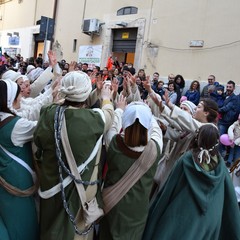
90 54
13 40
12 52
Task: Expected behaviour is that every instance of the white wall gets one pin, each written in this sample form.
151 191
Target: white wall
26 43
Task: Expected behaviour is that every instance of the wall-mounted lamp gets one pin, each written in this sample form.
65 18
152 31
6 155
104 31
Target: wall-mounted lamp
196 43
122 24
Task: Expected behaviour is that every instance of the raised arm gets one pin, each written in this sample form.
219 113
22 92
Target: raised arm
117 122
107 107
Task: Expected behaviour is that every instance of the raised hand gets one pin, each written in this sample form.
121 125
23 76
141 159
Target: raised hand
167 99
114 87
72 66
99 82
147 84
106 92
52 58
125 83
115 84
121 103
131 78
129 75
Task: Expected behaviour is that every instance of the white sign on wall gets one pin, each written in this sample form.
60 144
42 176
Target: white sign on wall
90 54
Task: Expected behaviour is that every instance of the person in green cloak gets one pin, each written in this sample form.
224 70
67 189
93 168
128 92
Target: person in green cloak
198 200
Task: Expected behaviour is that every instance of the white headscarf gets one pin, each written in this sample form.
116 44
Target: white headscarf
25 78
190 105
34 74
140 111
137 110
12 75
29 68
76 86
11 92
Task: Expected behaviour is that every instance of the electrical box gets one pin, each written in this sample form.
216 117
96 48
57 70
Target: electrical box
91 26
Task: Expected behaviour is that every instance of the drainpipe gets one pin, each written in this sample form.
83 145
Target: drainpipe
55 9
35 13
150 22
54 18
84 10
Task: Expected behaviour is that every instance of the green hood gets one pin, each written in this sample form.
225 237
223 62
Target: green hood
202 184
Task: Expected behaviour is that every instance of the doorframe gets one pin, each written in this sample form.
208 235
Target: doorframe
108 41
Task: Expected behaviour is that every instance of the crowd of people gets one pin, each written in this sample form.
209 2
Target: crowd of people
115 154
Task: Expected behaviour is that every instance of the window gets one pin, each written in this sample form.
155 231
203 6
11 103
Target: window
127 11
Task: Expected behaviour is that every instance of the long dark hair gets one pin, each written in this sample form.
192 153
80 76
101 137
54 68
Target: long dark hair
3 97
198 85
182 83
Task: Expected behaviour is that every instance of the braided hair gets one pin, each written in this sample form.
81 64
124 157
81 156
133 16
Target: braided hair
205 146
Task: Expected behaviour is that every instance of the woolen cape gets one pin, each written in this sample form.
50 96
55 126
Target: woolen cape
127 218
84 127
18 215
194 204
